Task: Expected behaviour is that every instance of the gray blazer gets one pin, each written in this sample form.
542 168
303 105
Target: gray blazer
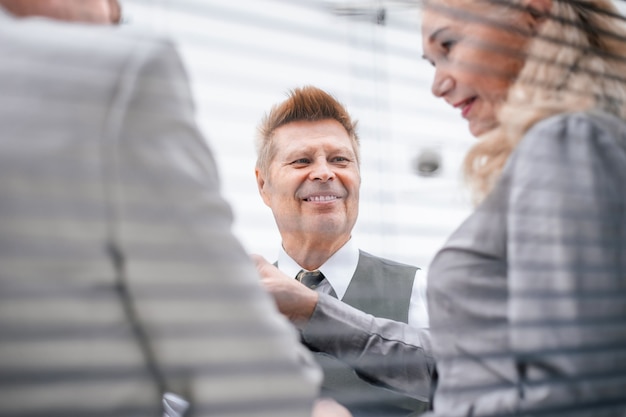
527 299
120 277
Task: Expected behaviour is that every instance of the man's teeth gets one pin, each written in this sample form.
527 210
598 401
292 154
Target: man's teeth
322 198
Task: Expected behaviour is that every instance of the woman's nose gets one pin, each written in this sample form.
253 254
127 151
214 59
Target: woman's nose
442 84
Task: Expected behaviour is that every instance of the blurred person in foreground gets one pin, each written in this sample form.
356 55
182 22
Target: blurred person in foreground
121 282
308 174
83 11
527 298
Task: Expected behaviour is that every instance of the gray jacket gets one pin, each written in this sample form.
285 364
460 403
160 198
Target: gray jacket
120 275
527 299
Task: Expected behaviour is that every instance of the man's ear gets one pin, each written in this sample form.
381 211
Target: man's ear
260 183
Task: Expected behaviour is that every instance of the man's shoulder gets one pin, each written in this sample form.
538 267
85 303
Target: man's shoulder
385 261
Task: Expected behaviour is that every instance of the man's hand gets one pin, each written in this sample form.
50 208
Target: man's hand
294 300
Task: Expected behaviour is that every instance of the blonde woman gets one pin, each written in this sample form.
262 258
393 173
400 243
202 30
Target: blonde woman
527 299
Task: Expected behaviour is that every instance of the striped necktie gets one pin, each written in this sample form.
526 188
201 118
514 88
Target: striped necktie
313 279
310 278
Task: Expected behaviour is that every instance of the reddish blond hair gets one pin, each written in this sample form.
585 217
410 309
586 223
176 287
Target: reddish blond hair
302 104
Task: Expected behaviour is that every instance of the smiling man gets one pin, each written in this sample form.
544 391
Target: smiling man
308 173
312 187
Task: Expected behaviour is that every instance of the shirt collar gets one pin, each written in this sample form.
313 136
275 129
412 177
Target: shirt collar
338 269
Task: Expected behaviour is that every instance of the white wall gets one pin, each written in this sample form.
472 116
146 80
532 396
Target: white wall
244 55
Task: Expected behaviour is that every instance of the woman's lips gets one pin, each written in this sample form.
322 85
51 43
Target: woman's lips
466 106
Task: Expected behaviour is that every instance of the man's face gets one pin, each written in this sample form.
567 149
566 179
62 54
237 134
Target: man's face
84 11
312 184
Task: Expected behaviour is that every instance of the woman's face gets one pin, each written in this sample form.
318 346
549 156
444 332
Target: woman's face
476 56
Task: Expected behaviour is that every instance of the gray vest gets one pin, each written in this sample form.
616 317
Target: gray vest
381 288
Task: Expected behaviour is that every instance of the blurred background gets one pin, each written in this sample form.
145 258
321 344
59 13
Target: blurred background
243 56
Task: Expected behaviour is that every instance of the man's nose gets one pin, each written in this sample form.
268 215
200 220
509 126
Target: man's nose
321 170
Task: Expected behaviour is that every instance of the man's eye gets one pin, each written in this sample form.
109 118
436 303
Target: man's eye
341 160
301 161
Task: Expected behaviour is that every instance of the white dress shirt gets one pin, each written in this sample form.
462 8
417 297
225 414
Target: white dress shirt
339 270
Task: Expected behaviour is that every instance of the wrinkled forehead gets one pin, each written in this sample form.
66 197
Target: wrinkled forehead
297 133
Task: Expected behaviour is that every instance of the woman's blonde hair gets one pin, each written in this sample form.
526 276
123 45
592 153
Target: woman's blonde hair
575 61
